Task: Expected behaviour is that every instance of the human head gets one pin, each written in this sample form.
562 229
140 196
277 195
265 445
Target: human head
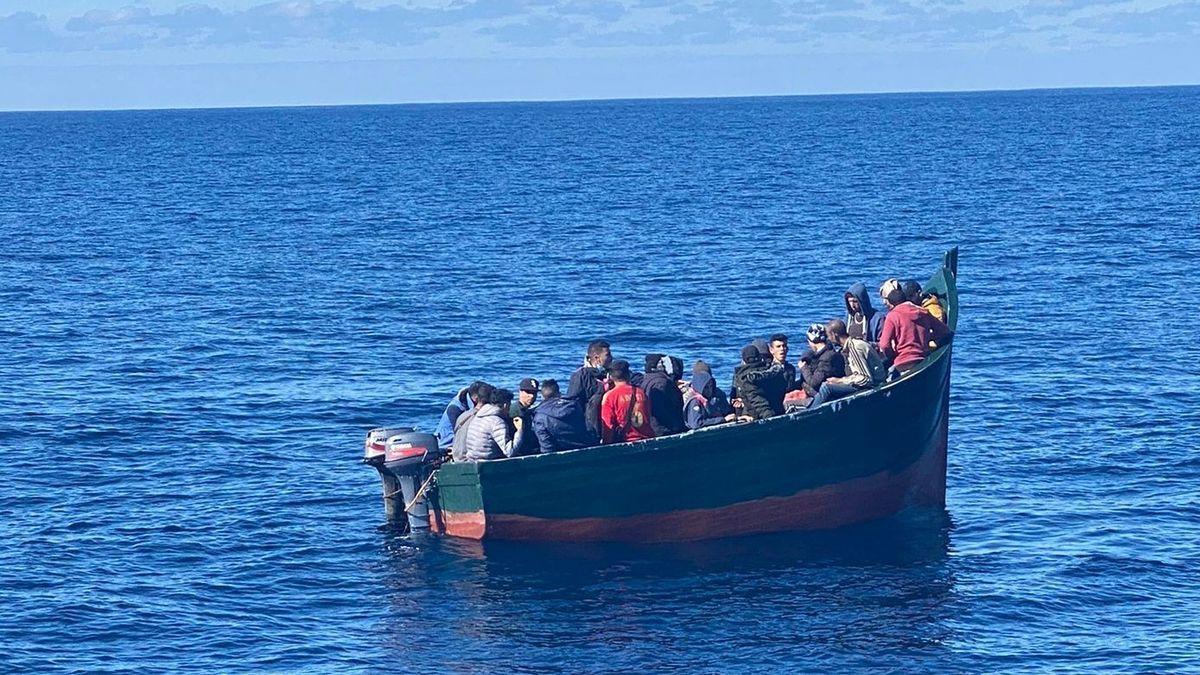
673 367
764 350
835 330
779 347
858 300
527 392
750 354
550 390
483 393
599 354
473 391
502 398
653 362
817 336
701 367
895 297
912 291
618 370
704 384
887 287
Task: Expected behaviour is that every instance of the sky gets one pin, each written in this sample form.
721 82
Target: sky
102 54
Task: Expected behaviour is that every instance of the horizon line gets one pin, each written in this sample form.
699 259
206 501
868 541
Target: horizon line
614 99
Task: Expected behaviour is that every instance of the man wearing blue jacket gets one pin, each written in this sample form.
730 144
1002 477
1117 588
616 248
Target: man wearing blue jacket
558 423
705 403
463 401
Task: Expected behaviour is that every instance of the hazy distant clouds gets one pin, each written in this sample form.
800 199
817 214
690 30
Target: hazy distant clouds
576 27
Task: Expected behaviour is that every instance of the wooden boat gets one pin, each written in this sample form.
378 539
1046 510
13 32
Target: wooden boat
856 459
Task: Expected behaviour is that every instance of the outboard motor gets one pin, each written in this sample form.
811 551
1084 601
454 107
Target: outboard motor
404 458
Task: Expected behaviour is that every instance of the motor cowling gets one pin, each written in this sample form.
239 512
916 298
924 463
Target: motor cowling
404 458
375 447
408 451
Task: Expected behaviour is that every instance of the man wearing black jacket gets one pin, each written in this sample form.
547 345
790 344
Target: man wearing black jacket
587 383
779 354
820 362
666 400
760 384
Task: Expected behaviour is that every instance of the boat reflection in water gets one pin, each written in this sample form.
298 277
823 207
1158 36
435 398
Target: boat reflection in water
882 590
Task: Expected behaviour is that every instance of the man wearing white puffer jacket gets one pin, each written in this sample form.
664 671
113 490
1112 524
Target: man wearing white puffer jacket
488 433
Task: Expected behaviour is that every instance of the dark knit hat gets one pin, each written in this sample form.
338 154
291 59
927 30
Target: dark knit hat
750 354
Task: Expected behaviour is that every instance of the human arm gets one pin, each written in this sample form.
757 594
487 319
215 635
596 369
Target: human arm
506 441
544 440
756 376
857 367
607 418
830 366
885 339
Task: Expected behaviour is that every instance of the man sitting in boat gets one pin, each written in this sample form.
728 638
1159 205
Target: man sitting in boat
480 395
760 385
778 345
463 401
704 403
587 383
522 409
821 362
666 400
862 320
926 301
864 366
489 434
558 423
907 332
625 410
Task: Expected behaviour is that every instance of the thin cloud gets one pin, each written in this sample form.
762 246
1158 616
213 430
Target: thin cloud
573 27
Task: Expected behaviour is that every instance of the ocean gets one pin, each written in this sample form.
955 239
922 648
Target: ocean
203 311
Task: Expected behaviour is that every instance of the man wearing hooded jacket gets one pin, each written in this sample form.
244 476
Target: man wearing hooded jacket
705 403
862 320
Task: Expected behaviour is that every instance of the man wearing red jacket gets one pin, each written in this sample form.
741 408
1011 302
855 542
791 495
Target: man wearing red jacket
625 410
907 332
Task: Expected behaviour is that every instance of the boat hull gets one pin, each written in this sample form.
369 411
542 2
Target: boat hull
857 459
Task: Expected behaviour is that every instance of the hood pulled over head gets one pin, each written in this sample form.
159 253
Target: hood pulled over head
859 291
704 384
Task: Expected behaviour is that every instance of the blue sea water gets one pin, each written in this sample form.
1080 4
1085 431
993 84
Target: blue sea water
201 312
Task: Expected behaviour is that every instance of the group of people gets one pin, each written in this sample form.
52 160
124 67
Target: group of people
608 402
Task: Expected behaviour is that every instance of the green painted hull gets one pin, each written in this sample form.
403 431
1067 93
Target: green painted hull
860 458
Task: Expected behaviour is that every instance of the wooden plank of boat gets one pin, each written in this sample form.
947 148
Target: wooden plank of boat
864 457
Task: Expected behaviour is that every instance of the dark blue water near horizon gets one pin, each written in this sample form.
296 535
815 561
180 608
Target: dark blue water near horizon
201 312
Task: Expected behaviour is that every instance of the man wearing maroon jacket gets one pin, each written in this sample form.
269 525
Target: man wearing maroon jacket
907 332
